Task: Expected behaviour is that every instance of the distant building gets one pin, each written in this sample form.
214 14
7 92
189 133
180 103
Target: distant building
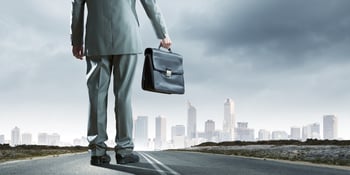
141 132
54 139
15 136
43 139
229 120
2 139
315 131
243 133
191 122
178 136
80 141
178 130
209 129
306 132
279 135
160 139
311 131
49 139
330 127
295 133
26 138
264 134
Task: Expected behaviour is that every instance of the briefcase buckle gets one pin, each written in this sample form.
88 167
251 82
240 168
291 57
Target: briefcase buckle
168 73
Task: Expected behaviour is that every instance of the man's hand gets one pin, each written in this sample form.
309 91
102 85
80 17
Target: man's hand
78 52
166 42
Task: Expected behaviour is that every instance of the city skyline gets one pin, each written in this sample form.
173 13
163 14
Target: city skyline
209 132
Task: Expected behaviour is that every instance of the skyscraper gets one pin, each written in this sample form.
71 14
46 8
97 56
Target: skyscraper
330 127
209 129
191 121
229 119
141 132
160 132
295 133
15 136
26 139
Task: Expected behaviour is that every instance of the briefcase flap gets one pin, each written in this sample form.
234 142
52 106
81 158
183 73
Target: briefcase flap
164 61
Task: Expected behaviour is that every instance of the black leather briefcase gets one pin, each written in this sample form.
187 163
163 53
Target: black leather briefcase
163 72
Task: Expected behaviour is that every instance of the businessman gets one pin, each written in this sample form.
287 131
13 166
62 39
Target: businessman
112 42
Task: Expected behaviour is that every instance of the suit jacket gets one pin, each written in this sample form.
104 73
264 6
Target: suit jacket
112 26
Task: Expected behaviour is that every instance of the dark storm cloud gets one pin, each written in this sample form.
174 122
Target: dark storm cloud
286 31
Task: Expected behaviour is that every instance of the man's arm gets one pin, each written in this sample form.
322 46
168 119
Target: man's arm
77 28
154 14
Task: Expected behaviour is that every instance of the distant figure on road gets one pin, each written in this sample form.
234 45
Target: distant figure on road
112 42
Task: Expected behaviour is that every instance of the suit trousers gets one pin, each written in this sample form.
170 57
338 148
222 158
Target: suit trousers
99 70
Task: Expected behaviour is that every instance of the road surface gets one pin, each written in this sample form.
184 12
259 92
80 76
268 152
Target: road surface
164 163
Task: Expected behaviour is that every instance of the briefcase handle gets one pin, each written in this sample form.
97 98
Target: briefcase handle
160 45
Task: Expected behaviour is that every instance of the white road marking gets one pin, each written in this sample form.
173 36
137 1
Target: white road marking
155 166
161 164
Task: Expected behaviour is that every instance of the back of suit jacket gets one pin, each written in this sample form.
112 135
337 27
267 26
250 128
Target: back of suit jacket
112 26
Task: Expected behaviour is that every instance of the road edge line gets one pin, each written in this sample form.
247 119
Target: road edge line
155 166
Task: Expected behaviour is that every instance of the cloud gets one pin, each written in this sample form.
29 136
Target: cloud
283 31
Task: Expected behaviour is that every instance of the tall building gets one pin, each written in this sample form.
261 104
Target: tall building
209 129
191 121
2 139
141 132
160 139
15 136
243 133
295 133
26 138
229 119
330 127
264 134
178 136
279 135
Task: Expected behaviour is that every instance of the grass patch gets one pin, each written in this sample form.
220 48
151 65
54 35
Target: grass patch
30 151
331 152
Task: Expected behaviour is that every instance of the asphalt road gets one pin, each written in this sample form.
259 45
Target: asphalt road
164 162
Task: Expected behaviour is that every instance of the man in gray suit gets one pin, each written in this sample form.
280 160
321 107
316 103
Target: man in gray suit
112 42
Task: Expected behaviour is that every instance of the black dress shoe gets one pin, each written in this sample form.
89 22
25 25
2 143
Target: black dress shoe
100 160
128 158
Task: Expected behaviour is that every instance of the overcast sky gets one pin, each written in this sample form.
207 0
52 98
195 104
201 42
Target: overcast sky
284 63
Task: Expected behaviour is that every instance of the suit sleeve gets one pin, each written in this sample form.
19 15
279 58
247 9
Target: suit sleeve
154 14
77 22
